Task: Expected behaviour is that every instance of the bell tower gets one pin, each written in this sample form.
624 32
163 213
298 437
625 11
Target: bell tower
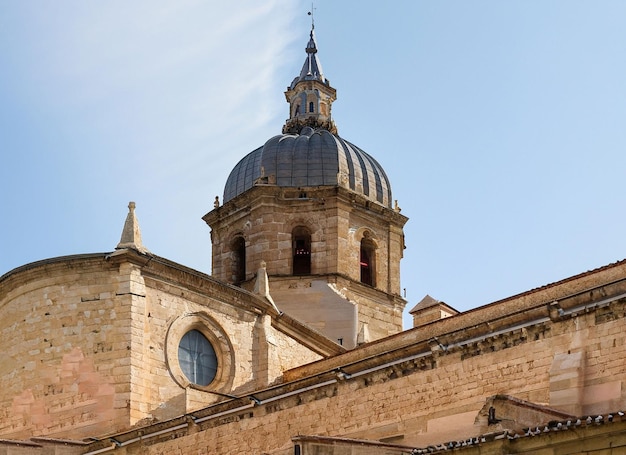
318 211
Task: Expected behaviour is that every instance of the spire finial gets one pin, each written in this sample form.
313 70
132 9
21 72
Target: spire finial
311 13
131 234
310 95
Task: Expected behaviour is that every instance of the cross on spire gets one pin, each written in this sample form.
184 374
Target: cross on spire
312 14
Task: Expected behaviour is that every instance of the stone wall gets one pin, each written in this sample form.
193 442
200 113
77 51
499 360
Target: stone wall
337 220
338 307
89 344
560 346
417 390
65 358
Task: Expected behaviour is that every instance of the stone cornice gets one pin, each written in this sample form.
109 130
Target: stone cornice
332 196
47 267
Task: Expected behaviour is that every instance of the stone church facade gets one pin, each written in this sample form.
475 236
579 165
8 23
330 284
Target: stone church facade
294 344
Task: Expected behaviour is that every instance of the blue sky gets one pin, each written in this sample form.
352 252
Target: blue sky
500 125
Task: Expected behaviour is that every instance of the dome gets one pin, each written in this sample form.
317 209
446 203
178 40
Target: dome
310 158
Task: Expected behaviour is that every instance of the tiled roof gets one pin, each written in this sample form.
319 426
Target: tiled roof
531 432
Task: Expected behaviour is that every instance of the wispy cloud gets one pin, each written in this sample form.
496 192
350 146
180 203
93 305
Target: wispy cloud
149 97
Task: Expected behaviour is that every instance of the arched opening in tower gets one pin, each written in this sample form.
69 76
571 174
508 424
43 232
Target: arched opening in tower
301 239
367 262
239 260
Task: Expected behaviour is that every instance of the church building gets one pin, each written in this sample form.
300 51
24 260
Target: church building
294 343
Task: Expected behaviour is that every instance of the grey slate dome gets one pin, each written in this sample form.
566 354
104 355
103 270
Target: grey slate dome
311 158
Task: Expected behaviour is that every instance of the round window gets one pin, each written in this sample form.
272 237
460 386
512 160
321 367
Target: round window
197 358
198 353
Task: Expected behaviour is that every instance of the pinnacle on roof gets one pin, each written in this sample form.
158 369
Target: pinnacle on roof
131 234
312 68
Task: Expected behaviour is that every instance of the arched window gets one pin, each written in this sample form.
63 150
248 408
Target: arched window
311 107
301 246
367 260
239 259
